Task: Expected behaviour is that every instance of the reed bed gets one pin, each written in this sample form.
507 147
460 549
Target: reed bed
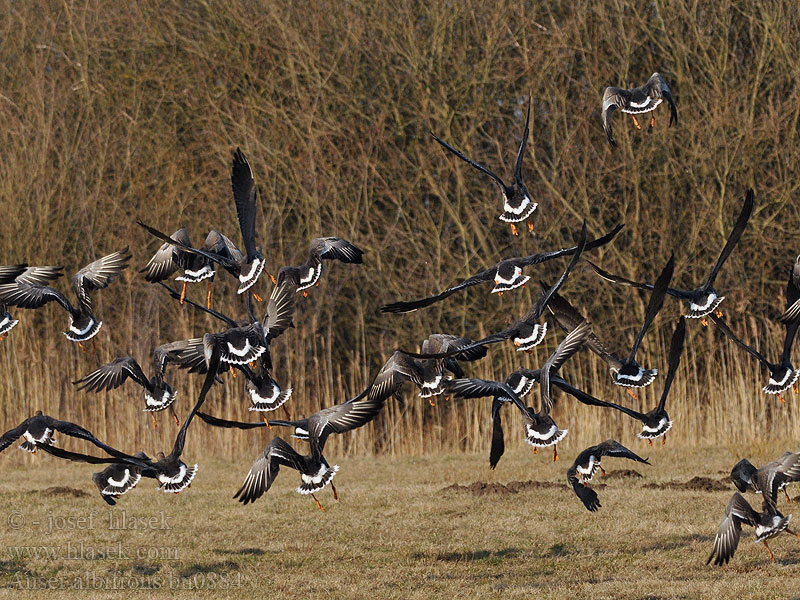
113 115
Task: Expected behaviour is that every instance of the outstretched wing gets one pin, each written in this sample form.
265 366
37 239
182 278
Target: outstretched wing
675 351
265 469
40 275
655 304
630 283
590 400
98 275
12 435
720 322
568 318
112 375
217 258
164 262
498 446
412 305
522 145
9 273
245 195
726 541
658 88
614 448
471 162
32 295
213 366
398 369
585 494
479 388
544 299
334 248
226 424
568 346
613 98
535 259
733 239
280 310
340 419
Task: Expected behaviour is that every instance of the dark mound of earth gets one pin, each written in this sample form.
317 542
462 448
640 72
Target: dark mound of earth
695 484
623 473
484 488
60 490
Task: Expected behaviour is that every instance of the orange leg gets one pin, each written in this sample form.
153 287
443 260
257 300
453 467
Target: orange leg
183 293
602 472
500 294
718 312
233 371
664 440
82 347
530 226
514 229
653 120
335 493
788 500
430 401
704 322
636 122
208 297
305 293
257 297
555 452
536 450
155 423
781 398
649 442
320 505
174 416
272 278
771 555
4 336
630 392
316 284
267 422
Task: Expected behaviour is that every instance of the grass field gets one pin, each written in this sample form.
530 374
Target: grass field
396 532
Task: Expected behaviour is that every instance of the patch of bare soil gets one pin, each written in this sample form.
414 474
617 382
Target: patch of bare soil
60 490
622 473
483 488
695 484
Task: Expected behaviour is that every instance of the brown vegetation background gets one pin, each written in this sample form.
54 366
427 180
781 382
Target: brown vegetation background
115 112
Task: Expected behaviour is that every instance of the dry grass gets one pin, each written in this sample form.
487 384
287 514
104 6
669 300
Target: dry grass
396 533
112 115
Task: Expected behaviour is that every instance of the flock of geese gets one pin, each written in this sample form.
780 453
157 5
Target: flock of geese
243 344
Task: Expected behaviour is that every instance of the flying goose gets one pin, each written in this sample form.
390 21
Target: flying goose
506 275
587 464
705 299
23 274
638 100
83 324
517 202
